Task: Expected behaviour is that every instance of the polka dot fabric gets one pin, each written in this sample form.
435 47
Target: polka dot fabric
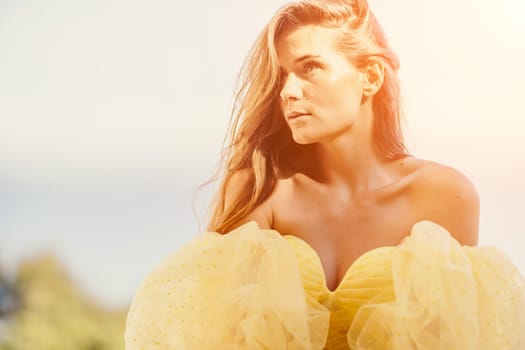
258 289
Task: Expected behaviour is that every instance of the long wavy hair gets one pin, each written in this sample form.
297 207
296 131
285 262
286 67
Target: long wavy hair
258 135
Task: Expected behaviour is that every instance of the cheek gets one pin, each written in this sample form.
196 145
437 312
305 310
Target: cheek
345 90
345 98
281 105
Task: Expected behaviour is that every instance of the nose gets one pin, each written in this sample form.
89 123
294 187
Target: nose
291 89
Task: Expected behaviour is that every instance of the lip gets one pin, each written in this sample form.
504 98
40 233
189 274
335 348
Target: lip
295 114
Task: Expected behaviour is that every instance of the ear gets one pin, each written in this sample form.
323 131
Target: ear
373 75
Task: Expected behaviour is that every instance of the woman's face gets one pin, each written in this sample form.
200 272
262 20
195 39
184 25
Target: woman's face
321 90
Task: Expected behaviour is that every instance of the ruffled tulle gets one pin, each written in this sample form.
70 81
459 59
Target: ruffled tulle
446 297
256 289
237 291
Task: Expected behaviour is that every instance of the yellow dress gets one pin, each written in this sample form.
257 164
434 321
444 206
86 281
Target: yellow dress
257 289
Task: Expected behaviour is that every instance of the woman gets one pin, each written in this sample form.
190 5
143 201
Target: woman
334 237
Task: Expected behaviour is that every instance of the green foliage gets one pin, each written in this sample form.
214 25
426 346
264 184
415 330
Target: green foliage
55 315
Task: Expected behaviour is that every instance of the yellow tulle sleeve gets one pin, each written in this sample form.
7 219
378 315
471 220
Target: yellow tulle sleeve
446 297
241 290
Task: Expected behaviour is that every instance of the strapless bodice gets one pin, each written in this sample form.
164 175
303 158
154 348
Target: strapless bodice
257 289
367 280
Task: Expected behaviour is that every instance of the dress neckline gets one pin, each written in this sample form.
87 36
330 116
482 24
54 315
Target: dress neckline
359 258
350 267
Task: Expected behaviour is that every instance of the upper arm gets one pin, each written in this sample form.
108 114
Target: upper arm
237 184
448 198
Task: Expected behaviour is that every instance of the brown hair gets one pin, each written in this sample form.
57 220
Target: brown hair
258 134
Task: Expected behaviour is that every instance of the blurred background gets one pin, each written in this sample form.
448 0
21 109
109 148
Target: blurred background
112 114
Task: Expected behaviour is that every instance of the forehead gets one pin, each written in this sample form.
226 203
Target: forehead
305 40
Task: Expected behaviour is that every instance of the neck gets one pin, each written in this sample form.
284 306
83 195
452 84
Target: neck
352 161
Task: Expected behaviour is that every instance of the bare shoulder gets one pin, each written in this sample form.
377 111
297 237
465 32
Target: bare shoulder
447 197
238 186
435 176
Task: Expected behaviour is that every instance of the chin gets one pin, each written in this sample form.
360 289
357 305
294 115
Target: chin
302 139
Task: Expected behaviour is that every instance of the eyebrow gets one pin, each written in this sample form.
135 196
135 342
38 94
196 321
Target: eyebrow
305 57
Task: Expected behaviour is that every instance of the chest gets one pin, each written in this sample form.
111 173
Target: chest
341 229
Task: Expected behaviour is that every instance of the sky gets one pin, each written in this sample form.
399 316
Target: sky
113 113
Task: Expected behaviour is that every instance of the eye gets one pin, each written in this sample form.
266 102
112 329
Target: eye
310 67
